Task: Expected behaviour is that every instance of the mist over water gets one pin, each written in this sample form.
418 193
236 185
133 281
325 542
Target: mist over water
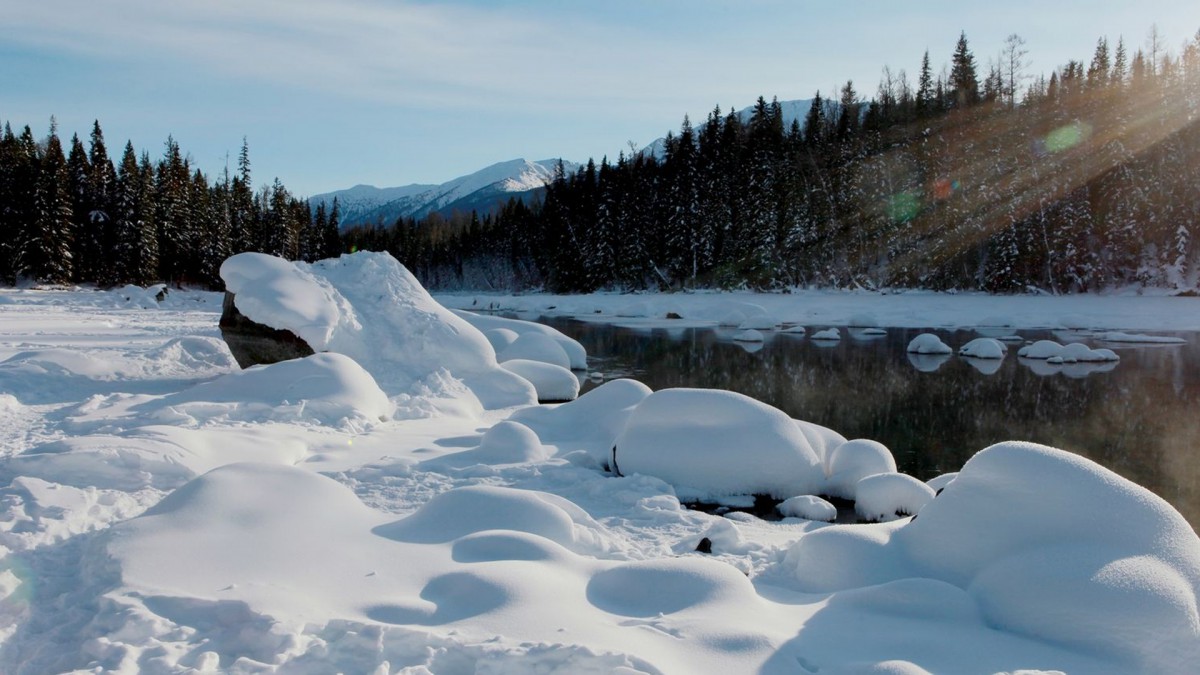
1138 417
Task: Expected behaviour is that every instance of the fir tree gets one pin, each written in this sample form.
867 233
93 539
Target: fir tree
964 82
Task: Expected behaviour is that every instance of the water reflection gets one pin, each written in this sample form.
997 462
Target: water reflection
1137 417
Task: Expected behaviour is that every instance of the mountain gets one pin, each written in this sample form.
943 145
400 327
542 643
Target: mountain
792 110
479 191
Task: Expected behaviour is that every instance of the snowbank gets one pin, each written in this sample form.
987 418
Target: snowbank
369 307
712 443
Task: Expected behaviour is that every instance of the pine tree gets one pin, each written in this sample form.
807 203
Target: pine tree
85 238
100 195
964 82
925 92
44 253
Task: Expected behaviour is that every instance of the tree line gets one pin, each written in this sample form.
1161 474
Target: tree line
75 217
970 178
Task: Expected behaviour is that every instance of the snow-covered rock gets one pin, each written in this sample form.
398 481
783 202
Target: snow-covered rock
854 460
554 384
536 347
500 338
711 443
808 507
575 351
928 343
1075 352
828 335
983 348
938 482
369 307
885 496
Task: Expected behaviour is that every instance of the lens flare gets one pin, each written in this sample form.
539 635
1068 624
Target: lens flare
1067 137
904 206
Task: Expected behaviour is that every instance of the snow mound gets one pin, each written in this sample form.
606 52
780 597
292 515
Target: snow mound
749 335
885 496
508 443
1054 546
928 343
712 443
822 440
842 557
369 307
500 338
600 414
1075 352
795 330
654 588
854 460
480 508
536 347
575 351
554 384
940 482
983 348
326 388
808 507
829 334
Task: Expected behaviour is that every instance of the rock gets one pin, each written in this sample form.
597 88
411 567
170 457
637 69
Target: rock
253 343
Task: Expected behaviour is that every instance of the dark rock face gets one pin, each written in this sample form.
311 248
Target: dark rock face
253 343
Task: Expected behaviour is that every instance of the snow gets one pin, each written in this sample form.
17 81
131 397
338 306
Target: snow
553 383
1075 352
713 443
575 351
808 507
983 348
760 322
369 307
853 461
828 335
885 496
928 343
1118 336
162 510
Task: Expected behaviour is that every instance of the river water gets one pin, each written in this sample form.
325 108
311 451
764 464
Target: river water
1139 417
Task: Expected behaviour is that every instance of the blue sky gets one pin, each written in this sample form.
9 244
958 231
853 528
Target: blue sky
389 92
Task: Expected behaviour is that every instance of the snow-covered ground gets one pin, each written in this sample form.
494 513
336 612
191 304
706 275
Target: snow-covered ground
386 507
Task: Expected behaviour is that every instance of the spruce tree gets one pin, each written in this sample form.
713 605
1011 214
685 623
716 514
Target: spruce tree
44 253
100 195
964 81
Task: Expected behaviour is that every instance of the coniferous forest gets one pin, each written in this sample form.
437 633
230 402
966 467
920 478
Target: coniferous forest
74 216
971 177
979 176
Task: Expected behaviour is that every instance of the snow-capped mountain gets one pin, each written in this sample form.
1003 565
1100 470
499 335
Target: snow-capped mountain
477 191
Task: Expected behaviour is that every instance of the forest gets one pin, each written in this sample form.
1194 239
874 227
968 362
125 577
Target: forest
75 217
974 177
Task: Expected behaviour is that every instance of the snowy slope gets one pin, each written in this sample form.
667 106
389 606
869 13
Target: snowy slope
481 190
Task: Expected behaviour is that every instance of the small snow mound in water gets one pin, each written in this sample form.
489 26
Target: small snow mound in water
808 507
536 347
327 388
884 496
369 307
854 460
1076 352
928 343
479 508
554 384
983 348
830 334
710 443
795 330
748 336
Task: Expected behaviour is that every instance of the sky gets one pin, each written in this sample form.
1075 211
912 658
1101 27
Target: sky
390 92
